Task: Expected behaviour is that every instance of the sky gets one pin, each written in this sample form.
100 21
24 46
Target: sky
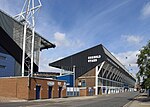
122 26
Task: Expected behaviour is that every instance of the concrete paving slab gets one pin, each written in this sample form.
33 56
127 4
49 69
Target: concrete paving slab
142 100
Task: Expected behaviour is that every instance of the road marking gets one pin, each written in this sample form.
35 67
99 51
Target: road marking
127 105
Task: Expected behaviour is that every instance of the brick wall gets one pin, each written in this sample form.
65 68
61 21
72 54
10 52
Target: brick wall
84 92
25 88
44 88
14 87
89 78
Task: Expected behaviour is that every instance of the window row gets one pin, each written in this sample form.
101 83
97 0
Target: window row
102 82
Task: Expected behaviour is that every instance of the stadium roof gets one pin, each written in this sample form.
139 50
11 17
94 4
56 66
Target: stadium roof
45 44
12 46
81 61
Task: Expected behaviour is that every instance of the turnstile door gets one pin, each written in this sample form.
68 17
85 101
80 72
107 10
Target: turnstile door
99 90
50 92
38 88
59 92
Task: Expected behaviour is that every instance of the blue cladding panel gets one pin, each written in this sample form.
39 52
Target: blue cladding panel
8 62
68 79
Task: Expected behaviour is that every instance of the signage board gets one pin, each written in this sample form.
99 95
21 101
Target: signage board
50 83
93 58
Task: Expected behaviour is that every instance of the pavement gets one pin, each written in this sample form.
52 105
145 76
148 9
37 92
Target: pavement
10 99
65 99
142 100
108 100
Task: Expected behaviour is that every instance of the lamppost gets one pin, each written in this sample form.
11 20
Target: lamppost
74 67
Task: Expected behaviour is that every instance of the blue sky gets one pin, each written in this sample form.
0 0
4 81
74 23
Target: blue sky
122 26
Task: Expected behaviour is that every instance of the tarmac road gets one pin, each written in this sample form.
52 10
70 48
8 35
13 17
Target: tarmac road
112 100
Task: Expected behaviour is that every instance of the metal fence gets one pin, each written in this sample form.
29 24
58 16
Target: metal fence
73 91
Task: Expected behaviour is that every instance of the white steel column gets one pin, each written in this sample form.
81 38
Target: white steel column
119 76
98 69
115 74
24 46
74 79
105 70
33 34
112 73
102 64
109 72
104 74
27 17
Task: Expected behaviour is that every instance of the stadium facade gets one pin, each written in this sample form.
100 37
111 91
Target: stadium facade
12 82
11 45
96 68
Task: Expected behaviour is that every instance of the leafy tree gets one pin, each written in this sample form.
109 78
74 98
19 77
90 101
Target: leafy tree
143 62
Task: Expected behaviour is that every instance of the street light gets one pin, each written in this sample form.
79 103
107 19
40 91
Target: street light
74 67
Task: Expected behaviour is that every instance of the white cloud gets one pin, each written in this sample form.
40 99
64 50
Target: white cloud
128 59
62 40
44 65
146 10
133 39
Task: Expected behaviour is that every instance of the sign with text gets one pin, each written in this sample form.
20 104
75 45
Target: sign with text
93 58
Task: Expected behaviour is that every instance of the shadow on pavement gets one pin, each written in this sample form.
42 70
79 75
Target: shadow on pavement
141 98
147 99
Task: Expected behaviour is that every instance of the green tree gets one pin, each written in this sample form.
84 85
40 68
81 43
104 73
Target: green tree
143 62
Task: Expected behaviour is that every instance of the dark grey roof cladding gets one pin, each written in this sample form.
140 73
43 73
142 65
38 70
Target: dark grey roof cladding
7 43
6 22
3 50
80 60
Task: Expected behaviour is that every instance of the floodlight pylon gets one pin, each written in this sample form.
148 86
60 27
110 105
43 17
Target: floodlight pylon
27 17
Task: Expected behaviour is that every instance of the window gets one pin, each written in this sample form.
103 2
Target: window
83 83
2 67
2 58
